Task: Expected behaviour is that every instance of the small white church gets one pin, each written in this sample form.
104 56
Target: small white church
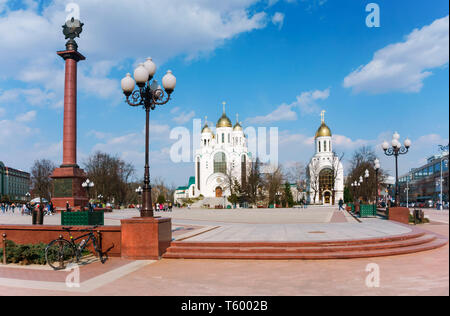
223 155
325 172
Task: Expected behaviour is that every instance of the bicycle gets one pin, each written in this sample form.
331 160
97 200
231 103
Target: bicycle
61 252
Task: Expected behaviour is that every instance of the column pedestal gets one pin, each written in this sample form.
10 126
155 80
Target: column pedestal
145 238
67 188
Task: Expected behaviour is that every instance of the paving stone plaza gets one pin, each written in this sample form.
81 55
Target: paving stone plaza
400 275
323 169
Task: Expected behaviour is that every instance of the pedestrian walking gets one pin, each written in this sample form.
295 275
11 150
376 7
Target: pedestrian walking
341 205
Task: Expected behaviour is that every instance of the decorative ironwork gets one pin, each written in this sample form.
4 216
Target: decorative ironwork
72 29
149 95
396 151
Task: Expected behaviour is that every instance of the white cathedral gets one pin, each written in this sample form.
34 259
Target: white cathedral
325 172
222 156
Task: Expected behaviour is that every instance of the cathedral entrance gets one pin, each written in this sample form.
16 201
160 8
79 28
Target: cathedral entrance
326 184
327 198
219 192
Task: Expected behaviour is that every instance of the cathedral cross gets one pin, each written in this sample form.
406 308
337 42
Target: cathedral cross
322 116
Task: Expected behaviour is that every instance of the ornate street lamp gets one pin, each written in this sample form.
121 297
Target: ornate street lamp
88 184
139 191
149 95
377 167
396 150
444 150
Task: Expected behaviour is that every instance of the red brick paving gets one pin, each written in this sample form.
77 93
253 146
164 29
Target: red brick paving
338 217
425 273
86 272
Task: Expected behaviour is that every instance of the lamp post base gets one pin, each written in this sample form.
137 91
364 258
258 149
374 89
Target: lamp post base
145 238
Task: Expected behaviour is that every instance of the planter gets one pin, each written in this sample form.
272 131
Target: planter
368 210
83 218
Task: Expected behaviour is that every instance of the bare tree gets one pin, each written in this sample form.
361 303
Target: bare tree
111 175
297 174
314 176
254 182
41 181
272 184
362 160
335 169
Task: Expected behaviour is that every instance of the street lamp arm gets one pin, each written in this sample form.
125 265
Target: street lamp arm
395 152
148 98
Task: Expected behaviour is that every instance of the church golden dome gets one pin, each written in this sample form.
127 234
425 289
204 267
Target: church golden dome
323 131
237 127
224 121
206 129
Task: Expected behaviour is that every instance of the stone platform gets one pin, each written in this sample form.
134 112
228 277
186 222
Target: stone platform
372 238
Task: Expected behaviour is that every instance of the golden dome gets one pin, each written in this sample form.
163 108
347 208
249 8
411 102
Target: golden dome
206 129
224 121
323 131
237 127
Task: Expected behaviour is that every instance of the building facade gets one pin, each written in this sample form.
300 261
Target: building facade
423 184
14 184
222 158
325 172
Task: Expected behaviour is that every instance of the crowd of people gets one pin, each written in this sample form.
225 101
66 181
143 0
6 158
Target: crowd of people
163 207
26 208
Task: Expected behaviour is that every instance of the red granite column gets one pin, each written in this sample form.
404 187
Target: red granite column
68 178
70 114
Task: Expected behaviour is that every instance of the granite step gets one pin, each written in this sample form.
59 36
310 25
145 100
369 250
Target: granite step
425 242
434 244
280 249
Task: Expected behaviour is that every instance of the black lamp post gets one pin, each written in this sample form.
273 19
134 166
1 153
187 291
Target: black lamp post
139 191
377 168
149 95
396 150
88 184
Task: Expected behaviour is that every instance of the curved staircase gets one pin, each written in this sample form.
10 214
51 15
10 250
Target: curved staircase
415 241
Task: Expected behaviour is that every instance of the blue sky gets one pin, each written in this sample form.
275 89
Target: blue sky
276 63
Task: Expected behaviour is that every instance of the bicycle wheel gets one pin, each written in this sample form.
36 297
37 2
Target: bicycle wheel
59 254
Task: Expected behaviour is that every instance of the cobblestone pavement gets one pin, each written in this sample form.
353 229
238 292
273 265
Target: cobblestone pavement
420 274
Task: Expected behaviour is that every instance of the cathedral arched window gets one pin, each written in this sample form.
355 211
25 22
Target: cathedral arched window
223 138
229 138
320 149
325 146
220 163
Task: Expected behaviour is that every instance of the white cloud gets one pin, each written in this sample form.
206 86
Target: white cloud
278 20
183 117
14 130
282 113
187 28
404 66
306 102
26 117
